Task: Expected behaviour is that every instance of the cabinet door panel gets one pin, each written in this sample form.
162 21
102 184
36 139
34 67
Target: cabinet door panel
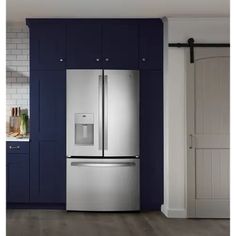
151 139
84 45
47 150
47 46
120 44
151 44
17 178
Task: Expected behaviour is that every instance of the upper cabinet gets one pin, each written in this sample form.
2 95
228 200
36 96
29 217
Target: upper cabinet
84 44
151 44
108 44
120 44
96 44
47 46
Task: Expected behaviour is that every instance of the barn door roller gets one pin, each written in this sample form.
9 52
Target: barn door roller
192 45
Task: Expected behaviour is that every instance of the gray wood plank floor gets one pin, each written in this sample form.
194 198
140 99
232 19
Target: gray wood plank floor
62 223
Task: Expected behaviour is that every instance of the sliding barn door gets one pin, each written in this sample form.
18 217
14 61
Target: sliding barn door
208 134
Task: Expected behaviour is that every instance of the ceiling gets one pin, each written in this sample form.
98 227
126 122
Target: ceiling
18 10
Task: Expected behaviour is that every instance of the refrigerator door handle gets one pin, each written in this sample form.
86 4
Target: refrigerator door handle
105 112
98 164
100 112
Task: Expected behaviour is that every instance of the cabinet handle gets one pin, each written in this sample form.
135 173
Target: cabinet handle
61 59
106 59
97 59
14 147
143 59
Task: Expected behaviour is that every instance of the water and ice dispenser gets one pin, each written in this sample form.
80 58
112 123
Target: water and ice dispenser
84 129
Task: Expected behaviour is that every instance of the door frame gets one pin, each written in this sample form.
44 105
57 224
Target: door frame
190 130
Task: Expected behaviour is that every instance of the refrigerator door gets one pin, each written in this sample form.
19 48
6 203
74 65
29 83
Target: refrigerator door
102 184
121 113
84 112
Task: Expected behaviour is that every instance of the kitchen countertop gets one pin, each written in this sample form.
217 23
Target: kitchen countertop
13 139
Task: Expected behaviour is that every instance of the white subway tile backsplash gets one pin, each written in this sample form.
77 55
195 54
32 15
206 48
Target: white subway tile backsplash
22 90
25 51
23 58
14 40
15 74
22 46
22 35
25 96
26 40
11 102
22 68
11 68
11 79
16 51
11 58
8 52
25 29
21 102
11 35
22 79
16 96
11 91
17 61
11 45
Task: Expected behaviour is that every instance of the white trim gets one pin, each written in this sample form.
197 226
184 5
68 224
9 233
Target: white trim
173 213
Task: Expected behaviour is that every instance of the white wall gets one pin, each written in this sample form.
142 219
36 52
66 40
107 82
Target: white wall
17 61
178 30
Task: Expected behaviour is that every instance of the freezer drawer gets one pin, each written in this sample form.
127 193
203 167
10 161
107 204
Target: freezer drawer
103 185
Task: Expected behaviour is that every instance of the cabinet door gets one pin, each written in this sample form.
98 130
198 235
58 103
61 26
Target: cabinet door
47 46
120 44
151 44
84 44
47 148
151 139
17 178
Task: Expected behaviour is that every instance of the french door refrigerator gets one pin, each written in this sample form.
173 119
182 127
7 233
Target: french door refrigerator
103 140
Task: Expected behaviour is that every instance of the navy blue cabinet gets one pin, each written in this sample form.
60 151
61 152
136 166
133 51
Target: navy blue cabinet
47 46
84 44
120 44
151 139
151 44
48 132
60 44
109 44
17 172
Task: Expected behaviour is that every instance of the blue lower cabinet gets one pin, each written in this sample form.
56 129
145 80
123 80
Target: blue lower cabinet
17 178
151 139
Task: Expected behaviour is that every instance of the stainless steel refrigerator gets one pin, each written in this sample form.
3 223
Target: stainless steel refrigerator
103 140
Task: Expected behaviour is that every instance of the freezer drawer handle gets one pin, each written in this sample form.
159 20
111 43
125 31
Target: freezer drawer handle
97 164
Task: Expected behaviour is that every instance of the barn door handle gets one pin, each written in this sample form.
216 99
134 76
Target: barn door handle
190 141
